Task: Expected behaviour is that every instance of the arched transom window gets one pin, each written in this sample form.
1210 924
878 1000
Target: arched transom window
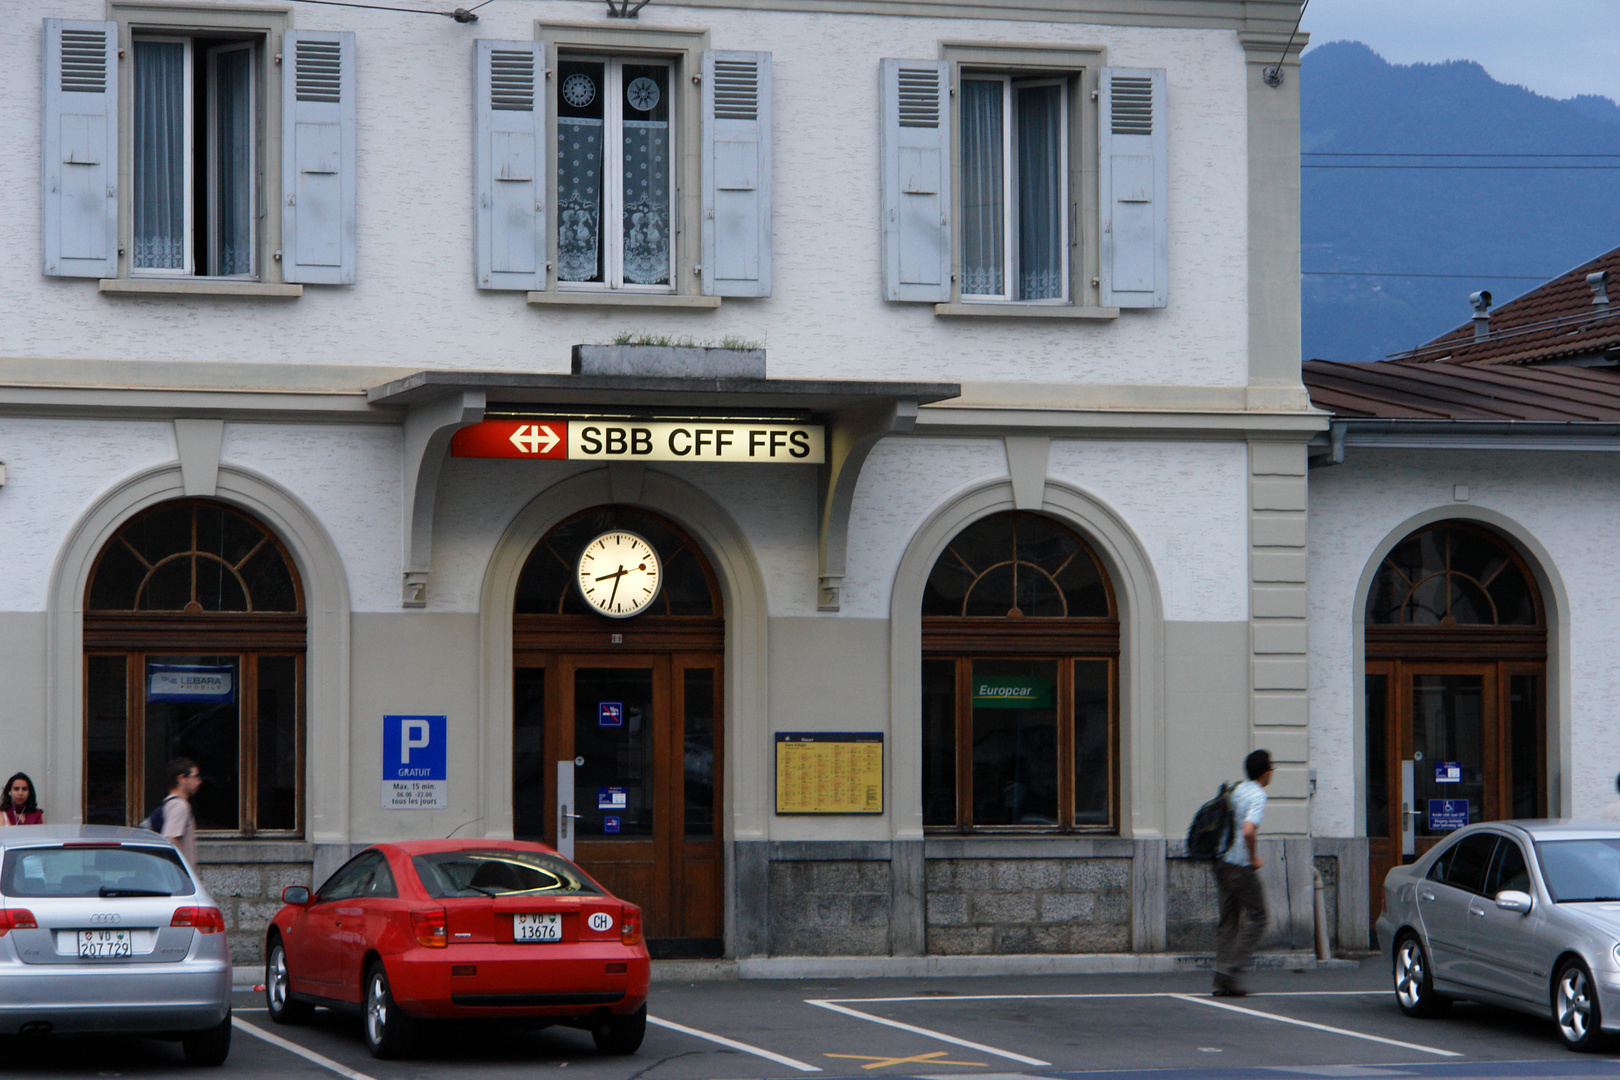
194 647
1452 575
1020 677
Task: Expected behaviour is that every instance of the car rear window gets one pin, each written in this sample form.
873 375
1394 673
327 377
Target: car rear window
499 873
1577 870
121 870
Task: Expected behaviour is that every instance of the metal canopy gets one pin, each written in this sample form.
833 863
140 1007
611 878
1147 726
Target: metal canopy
857 415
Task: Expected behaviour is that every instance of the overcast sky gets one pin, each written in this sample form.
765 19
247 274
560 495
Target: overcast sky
1559 48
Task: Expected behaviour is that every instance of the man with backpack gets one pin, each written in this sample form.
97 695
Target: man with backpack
1237 874
173 817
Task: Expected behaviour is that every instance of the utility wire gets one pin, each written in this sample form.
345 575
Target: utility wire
1272 76
380 7
1380 273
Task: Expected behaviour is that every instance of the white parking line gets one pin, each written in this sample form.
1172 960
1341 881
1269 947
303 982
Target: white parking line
733 1044
292 1047
1319 1027
1073 997
941 1036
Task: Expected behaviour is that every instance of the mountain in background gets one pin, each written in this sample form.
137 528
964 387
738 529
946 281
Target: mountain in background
1524 222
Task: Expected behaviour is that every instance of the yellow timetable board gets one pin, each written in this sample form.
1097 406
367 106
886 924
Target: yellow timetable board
829 772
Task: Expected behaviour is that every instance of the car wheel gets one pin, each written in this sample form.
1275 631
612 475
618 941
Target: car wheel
1575 1007
388 1029
622 1034
1414 984
208 1047
278 989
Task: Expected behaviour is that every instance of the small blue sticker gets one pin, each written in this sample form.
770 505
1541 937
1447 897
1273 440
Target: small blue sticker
1448 772
610 824
612 798
610 714
1447 814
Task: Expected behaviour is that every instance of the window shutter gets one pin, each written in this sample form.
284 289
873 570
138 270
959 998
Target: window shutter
80 149
509 247
317 157
736 173
916 180
1132 177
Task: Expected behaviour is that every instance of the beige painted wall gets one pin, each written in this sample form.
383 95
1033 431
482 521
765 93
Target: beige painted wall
1206 714
413 662
22 710
830 674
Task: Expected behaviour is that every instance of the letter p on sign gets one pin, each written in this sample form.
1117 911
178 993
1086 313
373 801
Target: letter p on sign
414 735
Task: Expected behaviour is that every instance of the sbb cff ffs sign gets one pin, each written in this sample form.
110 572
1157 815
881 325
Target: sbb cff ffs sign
653 440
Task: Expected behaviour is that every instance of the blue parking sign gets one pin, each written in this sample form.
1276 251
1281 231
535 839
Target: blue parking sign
415 762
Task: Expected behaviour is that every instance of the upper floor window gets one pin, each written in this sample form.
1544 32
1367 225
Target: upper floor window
615 173
196 156
1015 164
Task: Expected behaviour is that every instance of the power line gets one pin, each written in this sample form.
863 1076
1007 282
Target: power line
1380 273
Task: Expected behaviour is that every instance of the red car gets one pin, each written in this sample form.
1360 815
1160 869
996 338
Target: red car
451 929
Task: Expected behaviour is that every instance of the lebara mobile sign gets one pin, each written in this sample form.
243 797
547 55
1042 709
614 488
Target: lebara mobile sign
1012 692
181 683
716 439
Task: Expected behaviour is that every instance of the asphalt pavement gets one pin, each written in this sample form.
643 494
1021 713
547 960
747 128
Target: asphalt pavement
1293 1025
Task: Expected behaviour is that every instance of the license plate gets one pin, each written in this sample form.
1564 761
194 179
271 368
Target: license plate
532 927
103 944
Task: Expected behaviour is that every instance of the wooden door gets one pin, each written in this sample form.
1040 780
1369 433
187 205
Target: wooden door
643 731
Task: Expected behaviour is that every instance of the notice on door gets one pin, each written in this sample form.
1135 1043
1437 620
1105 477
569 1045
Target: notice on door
415 763
829 772
1447 814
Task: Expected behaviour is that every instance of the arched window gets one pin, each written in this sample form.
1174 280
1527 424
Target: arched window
194 637
1452 575
1020 676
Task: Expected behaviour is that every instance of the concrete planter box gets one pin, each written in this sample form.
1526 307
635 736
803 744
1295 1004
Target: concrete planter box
669 361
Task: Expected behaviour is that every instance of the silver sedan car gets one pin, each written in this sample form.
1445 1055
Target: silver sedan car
108 930
1524 914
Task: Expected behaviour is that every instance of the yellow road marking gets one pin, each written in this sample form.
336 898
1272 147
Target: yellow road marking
937 1057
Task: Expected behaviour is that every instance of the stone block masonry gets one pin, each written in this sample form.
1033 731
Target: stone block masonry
830 908
979 907
245 880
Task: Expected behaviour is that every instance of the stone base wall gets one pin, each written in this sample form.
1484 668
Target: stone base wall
829 908
1000 906
246 880
1192 906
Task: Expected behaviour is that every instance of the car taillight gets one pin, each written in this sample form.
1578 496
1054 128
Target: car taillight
431 927
630 927
17 919
205 920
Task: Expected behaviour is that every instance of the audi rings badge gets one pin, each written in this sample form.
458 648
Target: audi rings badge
105 917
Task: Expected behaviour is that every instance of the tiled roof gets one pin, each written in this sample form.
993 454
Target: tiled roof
1549 323
1454 391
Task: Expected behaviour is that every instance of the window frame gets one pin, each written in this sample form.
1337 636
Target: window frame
266 26
683 50
1077 67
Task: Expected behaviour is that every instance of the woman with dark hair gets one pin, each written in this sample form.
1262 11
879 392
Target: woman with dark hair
22 805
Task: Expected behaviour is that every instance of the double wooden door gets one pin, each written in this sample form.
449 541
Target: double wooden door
1448 744
639 738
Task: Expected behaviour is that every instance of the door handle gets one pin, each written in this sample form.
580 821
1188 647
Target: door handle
1426 895
1477 911
562 819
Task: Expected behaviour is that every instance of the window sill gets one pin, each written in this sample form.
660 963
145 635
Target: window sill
196 287
616 298
1025 311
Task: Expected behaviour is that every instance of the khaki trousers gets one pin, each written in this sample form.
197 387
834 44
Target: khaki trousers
1243 916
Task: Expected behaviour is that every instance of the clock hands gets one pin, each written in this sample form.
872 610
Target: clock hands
615 577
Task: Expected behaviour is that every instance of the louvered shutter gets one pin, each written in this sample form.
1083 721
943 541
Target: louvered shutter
1132 177
80 150
317 157
916 181
736 173
509 249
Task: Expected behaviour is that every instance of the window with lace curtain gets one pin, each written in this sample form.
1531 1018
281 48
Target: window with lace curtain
614 173
1015 163
195 150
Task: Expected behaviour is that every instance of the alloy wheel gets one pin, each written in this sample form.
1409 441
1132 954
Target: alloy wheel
278 978
1574 1005
1409 973
377 1009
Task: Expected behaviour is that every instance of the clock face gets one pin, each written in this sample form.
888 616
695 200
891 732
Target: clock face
619 574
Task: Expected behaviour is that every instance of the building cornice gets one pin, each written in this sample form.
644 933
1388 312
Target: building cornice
1252 16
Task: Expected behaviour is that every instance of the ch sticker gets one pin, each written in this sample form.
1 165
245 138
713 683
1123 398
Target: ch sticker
600 921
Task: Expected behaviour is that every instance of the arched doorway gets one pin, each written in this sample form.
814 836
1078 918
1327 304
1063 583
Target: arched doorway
628 711
1456 687
1020 676
194 641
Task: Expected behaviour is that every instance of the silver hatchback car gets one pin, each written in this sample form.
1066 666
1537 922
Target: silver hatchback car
1524 914
108 930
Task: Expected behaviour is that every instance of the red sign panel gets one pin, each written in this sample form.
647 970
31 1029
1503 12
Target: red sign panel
512 439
